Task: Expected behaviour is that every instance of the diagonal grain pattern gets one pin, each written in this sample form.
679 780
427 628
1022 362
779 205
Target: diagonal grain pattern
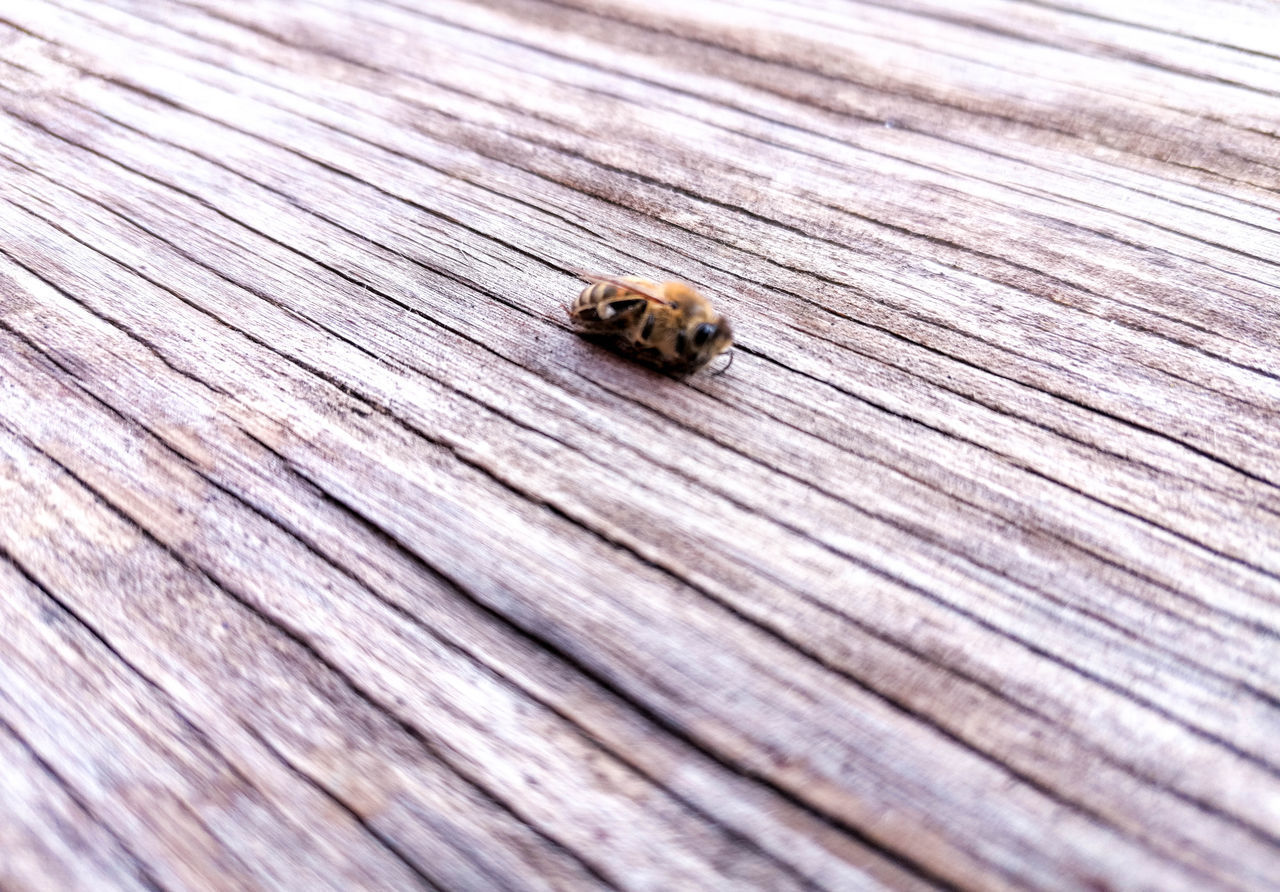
964 574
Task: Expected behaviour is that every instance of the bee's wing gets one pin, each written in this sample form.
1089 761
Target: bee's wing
644 291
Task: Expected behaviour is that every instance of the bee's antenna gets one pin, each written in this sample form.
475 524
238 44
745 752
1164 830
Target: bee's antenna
726 366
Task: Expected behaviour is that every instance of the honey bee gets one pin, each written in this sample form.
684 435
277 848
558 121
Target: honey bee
667 325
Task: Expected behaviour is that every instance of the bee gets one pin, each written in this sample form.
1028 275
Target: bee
667 325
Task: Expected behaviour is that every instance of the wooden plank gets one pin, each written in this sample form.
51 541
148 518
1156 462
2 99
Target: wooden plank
325 532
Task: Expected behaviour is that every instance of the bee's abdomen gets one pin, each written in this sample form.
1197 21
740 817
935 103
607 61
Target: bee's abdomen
591 298
607 307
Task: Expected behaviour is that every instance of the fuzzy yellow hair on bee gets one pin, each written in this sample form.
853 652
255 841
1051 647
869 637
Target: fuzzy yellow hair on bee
667 325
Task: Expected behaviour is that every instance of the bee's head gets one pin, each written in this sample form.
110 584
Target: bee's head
706 340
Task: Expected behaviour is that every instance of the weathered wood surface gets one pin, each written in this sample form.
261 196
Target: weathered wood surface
331 558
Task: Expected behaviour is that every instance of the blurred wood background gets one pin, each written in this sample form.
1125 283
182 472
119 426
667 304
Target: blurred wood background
331 558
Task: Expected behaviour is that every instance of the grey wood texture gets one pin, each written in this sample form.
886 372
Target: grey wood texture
331 558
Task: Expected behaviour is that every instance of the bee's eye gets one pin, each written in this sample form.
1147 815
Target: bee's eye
702 333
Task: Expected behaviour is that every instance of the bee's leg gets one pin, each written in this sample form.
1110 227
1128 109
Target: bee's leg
608 317
647 331
615 309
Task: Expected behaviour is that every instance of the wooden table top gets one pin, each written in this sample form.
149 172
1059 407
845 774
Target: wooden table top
331 557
